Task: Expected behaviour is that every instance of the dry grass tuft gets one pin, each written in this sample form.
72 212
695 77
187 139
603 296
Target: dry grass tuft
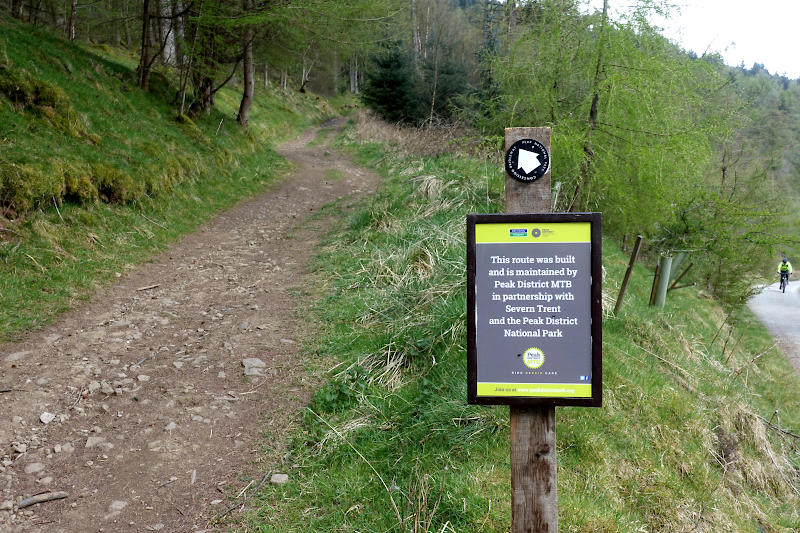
430 141
766 467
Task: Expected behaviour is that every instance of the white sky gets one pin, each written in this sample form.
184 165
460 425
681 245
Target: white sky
742 31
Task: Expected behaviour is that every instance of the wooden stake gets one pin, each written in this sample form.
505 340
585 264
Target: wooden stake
656 277
534 502
627 277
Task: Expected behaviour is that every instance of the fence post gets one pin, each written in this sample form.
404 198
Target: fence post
627 277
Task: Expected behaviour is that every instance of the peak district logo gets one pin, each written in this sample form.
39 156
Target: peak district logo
527 160
533 357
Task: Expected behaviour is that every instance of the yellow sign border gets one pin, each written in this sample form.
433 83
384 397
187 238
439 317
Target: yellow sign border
535 232
536 390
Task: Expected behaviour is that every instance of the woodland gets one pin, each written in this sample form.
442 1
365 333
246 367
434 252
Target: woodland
696 156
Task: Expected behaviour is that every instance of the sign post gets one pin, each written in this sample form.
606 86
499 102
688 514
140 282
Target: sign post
534 332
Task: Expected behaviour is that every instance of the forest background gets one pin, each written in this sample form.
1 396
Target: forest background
696 156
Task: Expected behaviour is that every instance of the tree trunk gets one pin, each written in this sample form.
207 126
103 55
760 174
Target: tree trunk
126 30
34 16
354 74
116 38
305 73
205 90
249 71
16 9
178 33
72 11
144 59
583 191
335 73
166 32
512 19
266 75
416 44
435 85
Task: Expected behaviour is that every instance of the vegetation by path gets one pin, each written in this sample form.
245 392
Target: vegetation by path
687 439
184 173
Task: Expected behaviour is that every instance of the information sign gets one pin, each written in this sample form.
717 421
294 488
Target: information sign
534 309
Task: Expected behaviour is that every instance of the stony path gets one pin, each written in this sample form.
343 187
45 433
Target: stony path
152 406
780 313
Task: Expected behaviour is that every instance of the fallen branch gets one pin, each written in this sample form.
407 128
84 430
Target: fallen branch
153 221
148 287
254 491
753 360
669 363
778 429
41 498
172 479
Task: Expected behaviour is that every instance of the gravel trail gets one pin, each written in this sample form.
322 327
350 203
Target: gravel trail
154 405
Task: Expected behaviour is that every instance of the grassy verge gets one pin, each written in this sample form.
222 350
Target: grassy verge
107 174
686 439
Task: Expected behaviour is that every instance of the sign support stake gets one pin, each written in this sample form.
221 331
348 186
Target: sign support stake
534 503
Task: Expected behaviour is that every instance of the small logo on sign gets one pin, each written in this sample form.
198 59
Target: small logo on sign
533 357
518 232
527 160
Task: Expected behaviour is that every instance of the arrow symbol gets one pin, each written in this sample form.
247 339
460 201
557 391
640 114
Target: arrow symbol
528 161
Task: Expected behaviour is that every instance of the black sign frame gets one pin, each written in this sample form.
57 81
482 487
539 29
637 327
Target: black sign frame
596 310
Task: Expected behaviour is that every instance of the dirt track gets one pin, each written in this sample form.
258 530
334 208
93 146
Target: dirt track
155 426
780 313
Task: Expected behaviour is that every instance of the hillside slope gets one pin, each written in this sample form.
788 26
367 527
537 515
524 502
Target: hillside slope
95 174
688 439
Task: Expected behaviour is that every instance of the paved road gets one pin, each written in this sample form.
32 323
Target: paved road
780 313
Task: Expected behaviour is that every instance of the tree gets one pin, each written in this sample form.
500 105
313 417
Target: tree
249 69
390 88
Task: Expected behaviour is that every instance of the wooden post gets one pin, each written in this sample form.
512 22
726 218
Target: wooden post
627 277
656 278
534 504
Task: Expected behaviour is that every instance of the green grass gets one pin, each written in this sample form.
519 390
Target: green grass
679 445
162 177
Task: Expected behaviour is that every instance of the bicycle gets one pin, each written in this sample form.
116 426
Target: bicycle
784 281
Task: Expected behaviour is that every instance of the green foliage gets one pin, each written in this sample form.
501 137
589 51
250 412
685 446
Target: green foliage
77 209
24 187
79 187
341 392
397 93
42 98
391 89
115 186
645 133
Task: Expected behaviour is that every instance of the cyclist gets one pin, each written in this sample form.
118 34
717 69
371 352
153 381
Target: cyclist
785 270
